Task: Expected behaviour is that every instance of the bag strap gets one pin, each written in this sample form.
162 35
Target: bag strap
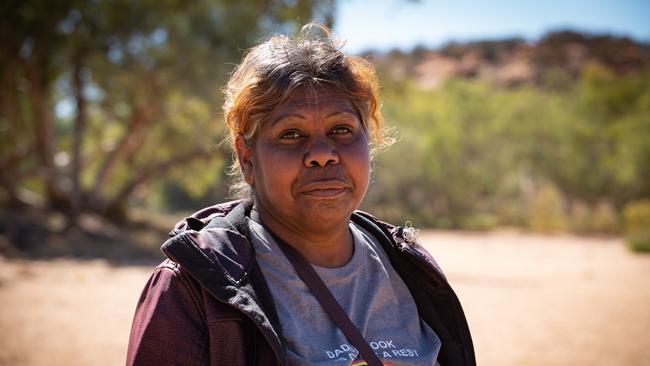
320 291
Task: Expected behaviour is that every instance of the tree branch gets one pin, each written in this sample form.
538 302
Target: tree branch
157 169
128 140
130 143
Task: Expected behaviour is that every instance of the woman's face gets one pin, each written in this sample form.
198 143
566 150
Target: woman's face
309 166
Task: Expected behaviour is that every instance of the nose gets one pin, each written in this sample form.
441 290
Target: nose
321 153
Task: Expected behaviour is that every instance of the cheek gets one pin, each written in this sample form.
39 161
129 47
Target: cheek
359 161
275 169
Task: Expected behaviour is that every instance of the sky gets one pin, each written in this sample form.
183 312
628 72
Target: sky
386 24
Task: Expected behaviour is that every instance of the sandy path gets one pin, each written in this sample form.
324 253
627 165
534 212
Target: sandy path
530 300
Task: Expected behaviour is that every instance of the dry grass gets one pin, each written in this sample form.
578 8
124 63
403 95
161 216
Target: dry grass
531 300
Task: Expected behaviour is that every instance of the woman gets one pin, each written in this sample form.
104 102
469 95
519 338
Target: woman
292 274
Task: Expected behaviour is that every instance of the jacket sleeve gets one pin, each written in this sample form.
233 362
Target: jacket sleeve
168 326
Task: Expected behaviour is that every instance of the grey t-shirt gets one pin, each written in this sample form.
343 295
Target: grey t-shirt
368 289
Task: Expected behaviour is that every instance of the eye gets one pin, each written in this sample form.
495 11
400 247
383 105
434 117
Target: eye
341 130
290 135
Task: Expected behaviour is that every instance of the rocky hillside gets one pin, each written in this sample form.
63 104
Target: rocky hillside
511 62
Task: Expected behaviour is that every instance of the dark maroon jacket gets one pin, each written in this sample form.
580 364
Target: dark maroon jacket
208 304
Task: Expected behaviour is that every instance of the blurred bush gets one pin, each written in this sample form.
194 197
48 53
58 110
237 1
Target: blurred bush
484 221
546 212
600 218
551 136
605 219
636 216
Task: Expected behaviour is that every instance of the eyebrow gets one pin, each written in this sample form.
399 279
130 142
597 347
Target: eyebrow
298 116
345 111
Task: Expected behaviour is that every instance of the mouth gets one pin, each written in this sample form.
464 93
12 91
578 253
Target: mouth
325 189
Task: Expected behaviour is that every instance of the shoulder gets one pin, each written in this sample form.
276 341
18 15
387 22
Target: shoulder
399 235
401 242
204 216
170 284
174 292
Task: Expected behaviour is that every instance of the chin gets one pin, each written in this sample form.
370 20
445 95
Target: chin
329 211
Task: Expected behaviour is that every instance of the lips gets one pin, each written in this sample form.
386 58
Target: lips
325 188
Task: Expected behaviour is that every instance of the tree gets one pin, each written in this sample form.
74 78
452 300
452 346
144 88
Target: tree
100 98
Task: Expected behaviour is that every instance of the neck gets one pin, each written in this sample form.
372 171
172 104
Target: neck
328 247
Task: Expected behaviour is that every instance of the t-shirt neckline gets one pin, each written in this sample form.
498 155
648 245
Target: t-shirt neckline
327 274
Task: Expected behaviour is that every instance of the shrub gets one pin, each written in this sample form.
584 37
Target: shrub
480 222
545 210
604 219
636 218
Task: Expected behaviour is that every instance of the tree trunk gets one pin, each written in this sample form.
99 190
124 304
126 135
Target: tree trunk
45 141
77 141
128 143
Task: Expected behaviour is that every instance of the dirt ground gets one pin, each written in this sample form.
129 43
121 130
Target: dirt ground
530 300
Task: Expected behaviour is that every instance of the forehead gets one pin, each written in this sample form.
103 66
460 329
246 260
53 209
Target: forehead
313 99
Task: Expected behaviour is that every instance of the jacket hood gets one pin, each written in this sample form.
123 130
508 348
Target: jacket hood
202 217
213 242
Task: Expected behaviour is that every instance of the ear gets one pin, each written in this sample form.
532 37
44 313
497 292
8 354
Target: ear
245 156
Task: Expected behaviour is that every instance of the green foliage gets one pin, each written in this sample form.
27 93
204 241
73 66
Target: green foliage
636 216
639 242
546 211
447 158
475 155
